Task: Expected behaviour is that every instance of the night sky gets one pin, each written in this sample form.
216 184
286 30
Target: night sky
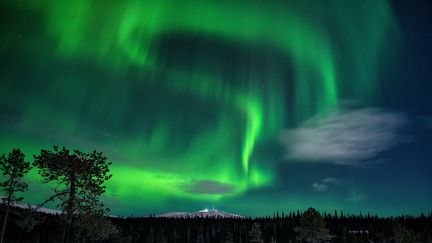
251 106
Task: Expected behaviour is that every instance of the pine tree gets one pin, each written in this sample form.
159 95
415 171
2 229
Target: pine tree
161 236
229 238
312 227
13 168
255 234
81 177
150 236
401 233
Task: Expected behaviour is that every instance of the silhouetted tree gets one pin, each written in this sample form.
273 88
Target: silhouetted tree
312 227
402 233
30 218
272 240
161 237
81 177
229 238
255 234
13 168
150 236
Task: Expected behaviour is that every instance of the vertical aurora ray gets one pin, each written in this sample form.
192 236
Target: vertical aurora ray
176 92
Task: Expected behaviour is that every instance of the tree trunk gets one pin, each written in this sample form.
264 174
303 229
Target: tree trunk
10 192
70 209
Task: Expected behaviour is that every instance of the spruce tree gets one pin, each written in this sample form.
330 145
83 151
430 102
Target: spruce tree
79 177
229 238
401 233
161 236
13 168
312 228
255 234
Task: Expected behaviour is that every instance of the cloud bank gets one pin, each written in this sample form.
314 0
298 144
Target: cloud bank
344 138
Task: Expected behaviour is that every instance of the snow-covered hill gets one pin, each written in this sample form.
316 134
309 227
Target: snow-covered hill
38 209
200 214
211 213
30 206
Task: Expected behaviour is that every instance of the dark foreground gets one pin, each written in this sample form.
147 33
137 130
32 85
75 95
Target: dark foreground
278 228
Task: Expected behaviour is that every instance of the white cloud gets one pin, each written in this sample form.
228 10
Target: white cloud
330 180
319 187
324 184
344 138
208 187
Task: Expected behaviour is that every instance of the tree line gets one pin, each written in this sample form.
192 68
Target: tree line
308 226
78 181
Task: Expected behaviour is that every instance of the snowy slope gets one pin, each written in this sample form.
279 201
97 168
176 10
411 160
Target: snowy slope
40 209
27 206
200 214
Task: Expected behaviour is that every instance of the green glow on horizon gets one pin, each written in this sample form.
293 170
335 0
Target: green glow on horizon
167 124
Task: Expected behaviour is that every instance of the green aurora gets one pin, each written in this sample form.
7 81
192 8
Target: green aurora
184 93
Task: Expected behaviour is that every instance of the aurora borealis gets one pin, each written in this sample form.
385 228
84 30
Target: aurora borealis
216 102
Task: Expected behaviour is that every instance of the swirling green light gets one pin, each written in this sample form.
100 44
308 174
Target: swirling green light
323 44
